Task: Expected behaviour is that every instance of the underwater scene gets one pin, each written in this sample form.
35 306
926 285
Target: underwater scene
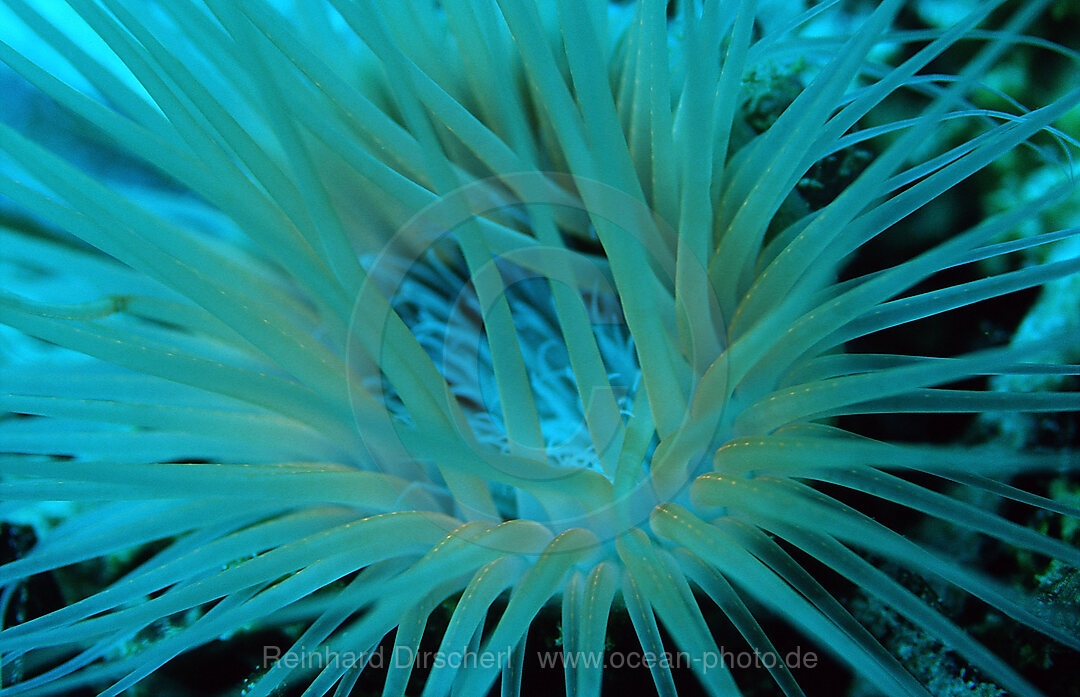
456 348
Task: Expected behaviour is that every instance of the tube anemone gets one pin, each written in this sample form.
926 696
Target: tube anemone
423 323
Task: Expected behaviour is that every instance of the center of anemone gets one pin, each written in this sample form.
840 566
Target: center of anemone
438 303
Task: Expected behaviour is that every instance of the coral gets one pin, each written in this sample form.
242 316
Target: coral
925 657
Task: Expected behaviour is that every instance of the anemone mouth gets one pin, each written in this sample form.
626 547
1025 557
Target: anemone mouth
441 308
